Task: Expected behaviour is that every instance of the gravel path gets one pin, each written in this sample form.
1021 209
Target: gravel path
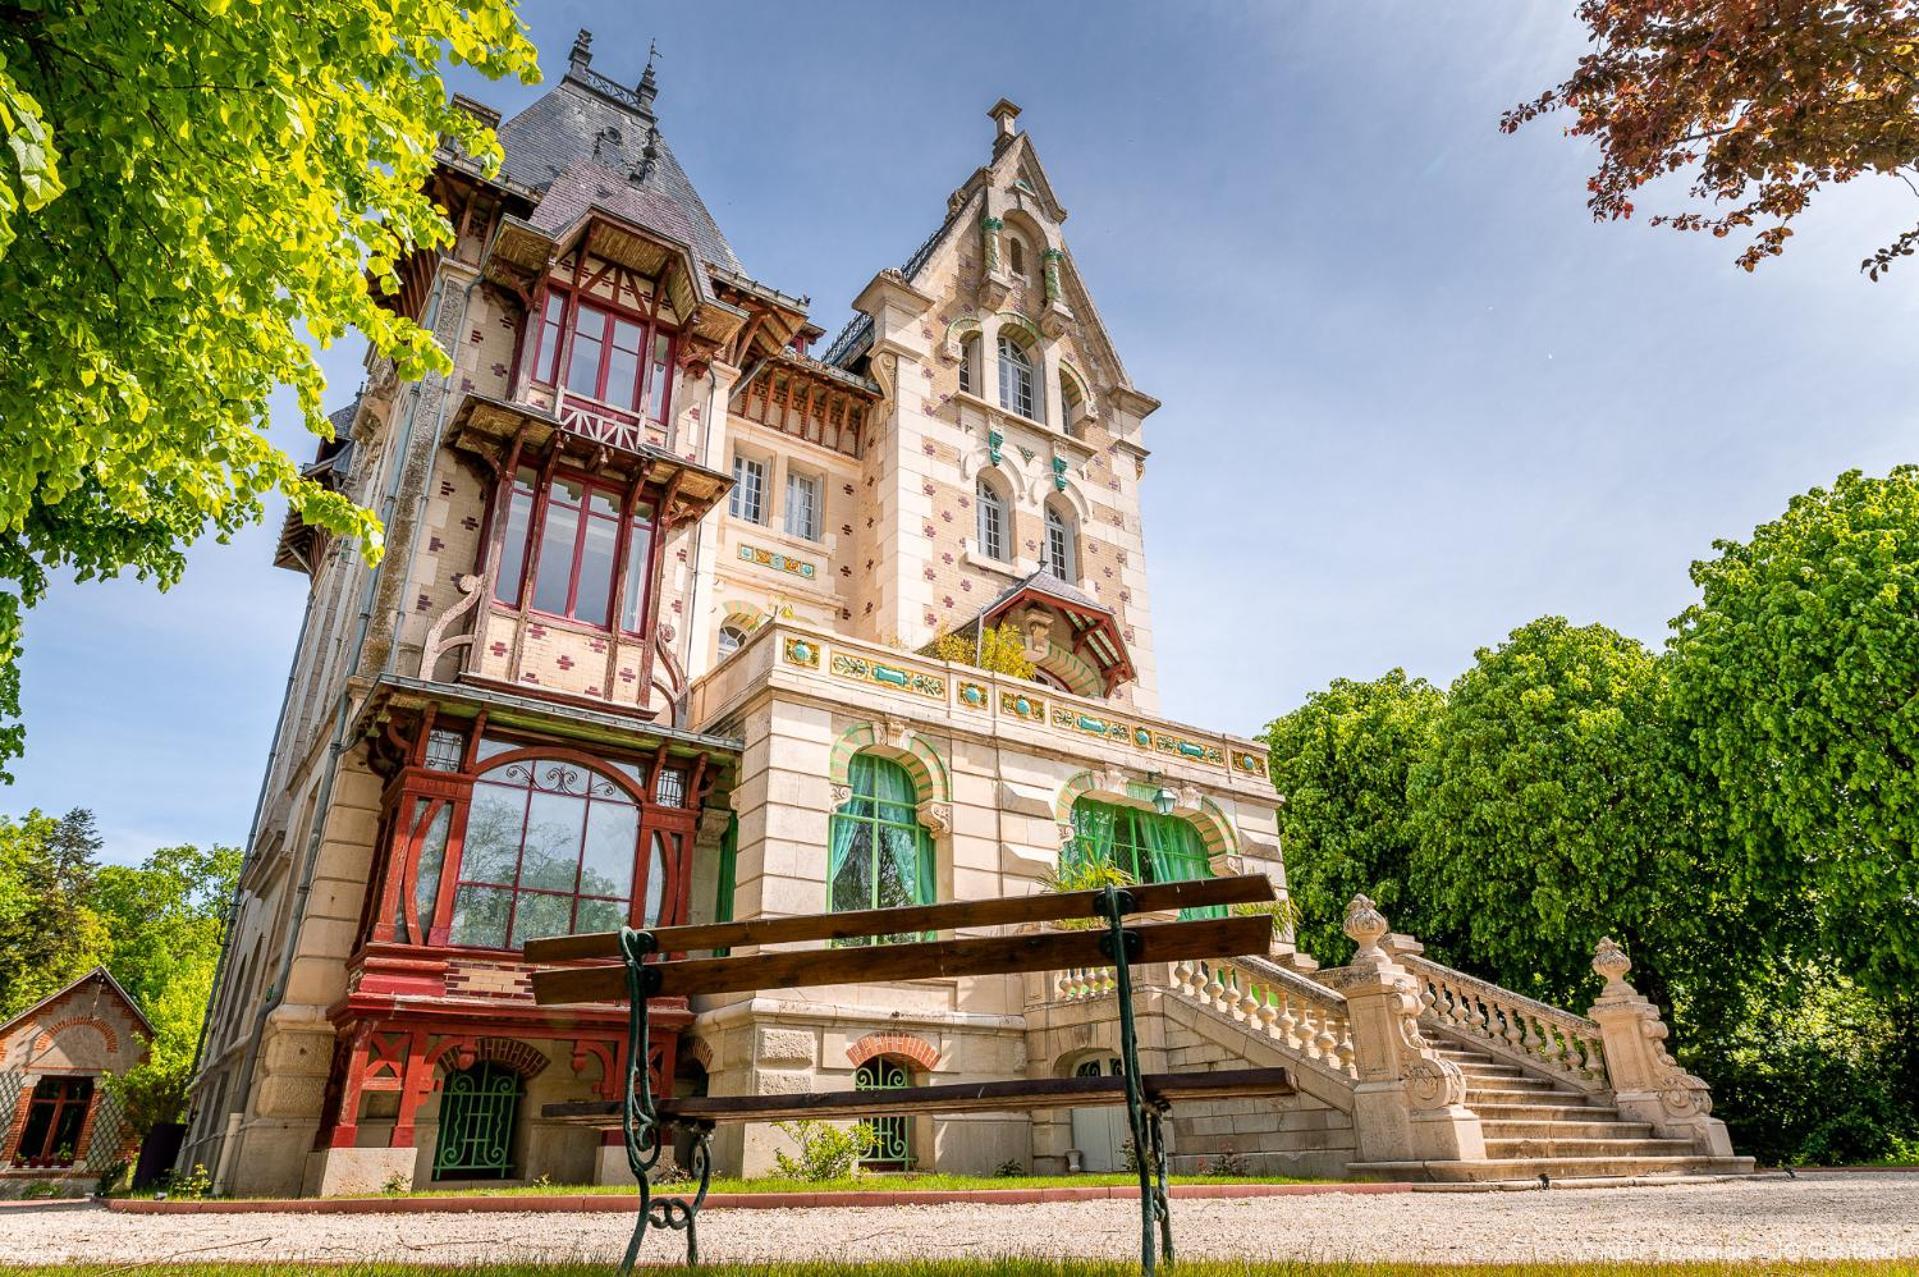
1824 1216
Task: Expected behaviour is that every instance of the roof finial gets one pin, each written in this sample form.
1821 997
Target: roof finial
648 85
582 53
1003 113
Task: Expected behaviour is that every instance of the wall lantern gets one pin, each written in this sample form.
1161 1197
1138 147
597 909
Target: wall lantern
1164 799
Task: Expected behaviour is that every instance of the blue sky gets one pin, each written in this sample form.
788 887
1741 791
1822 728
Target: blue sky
1413 396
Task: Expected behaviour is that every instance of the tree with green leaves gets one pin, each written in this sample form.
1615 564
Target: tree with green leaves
1543 818
50 932
1342 761
190 192
166 918
1795 683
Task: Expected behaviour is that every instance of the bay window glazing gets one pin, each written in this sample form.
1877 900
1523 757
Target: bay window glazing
587 538
619 358
536 841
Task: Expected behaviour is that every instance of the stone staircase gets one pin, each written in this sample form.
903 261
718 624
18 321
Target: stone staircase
1537 1126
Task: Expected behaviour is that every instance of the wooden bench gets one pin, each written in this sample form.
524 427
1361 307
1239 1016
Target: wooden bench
651 965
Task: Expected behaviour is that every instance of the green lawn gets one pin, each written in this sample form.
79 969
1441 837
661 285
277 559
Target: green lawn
1025 1268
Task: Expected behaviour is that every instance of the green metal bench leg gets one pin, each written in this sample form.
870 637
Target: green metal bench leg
640 1124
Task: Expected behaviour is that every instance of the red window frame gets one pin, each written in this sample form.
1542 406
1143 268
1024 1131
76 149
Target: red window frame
55 1105
665 792
628 595
556 331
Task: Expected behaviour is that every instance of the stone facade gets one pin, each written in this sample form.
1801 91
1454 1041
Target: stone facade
662 586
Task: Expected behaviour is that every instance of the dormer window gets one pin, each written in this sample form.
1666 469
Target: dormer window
620 358
1016 379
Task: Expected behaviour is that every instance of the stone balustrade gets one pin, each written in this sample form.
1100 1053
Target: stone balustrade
1302 1017
1568 1047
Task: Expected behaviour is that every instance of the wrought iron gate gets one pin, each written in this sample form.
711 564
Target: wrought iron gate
892 1147
479 1108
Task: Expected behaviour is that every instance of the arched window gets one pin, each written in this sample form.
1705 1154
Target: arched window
1069 401
552 849
1144 845
878 854
1062 552
479 1108
1016 380
731 637
969 381
992 520
1016 254
892 1135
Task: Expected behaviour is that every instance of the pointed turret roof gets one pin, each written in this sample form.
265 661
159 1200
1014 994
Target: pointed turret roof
588 122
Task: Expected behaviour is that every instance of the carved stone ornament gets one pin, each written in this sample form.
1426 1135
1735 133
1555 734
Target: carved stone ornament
1110 780
894 731
842 795
1364 924
1612 964
1189 798
1433 1083
938 817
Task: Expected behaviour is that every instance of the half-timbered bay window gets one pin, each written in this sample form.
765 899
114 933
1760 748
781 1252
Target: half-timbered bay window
579 536
618 357
526 841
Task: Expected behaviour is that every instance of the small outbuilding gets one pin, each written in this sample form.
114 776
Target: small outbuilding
63 1128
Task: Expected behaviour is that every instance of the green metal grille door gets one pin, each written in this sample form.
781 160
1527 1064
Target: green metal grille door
478 1108
892 1136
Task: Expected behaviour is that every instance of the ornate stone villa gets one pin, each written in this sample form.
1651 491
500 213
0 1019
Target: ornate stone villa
649 644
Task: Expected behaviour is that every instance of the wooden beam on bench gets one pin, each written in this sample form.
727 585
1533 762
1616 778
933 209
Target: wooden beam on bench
983 955
966 1097
1193 893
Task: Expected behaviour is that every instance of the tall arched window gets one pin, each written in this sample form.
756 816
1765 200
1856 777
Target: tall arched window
552 849
1016 380
1062 554
992 520
969 380
1070 404
1145 845
878 854
1016 254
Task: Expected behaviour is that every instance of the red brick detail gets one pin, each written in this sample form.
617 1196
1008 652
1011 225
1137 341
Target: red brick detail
701 1052
902 1046
45 1039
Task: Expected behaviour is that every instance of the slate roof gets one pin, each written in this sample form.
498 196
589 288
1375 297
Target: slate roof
575 122
853 339
1046 583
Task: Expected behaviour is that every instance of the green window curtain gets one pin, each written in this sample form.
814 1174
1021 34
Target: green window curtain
1149 847
878 854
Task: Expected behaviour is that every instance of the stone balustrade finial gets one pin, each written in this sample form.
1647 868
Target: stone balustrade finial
1365 925
1611 963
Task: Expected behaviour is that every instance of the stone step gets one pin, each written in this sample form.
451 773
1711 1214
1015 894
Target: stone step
1516 1108
1475 1068
1576 1147
1531 1168
1566 1128
1520 1091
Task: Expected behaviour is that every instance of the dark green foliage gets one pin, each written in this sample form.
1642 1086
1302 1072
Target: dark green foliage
1741 812
1342 761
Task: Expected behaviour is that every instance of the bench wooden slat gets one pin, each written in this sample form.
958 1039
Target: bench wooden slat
1159 897
983 955
966 1097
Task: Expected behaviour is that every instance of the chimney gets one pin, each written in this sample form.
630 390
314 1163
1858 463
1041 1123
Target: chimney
1003 114
582 53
